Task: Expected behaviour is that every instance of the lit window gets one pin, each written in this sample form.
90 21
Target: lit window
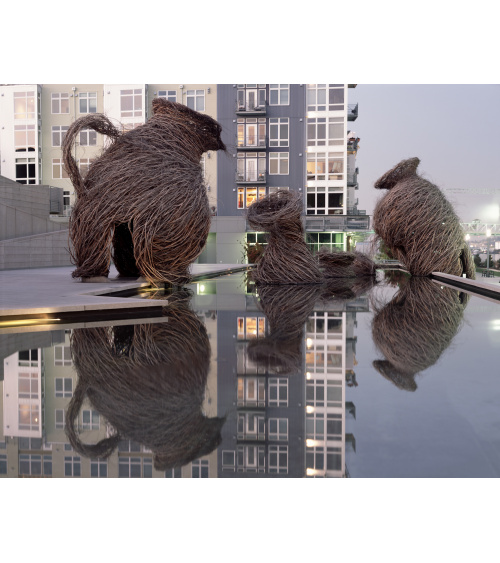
29 417
24 105
28 385
246 196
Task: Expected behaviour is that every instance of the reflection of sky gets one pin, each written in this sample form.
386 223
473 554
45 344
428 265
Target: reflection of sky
448 427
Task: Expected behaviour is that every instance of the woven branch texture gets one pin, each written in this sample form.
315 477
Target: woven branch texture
418 225
148 381
143 202
414 329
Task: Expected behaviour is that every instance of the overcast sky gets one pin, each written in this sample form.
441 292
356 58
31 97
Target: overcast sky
453 129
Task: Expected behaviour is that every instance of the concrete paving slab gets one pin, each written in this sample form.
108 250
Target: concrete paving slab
53 290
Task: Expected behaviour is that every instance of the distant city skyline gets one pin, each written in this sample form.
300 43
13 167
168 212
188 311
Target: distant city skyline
453 129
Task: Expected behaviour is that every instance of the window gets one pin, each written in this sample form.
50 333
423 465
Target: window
251 426
173 473
251 132
60 103
88 138
279 94
195 99
129 446
278 163
64 386
58 134
170 95
58 170
325 97
28 385
228 459
26 170
327 240
60 422
278 392
251 97
251 391
84 165
90 420
278 429
35 465
24 138
246 196
72 466
62 355
322 131
88 102
278 131
278 459
334 426
251 167
133 467
131 103
129 126
28 358
98 468
251 327
29 417
199 468
251 459
24 105
319 204
315 426
3 464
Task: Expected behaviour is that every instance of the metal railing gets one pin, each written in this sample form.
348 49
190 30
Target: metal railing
337 223
253 177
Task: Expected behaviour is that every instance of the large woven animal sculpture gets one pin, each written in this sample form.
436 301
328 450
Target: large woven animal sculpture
414 329
148 381
143 203
287 259
418 224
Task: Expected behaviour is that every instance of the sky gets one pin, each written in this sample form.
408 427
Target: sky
453 129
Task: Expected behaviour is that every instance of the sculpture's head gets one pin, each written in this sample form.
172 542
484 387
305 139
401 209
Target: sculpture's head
206 129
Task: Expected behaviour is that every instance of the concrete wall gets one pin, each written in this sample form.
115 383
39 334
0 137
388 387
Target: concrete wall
37 251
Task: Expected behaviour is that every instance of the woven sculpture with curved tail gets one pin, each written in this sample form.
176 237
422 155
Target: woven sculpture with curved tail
143 202
148 381
418 224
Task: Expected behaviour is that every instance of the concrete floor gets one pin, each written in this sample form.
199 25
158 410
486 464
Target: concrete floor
53 290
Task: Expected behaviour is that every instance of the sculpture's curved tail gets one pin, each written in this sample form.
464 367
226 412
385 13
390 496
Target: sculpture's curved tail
97 122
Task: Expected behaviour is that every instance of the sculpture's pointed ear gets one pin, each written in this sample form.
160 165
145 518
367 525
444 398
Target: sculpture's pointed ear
161 105
404 169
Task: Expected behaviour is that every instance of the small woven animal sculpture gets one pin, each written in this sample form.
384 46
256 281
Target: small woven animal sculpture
286 259
340 264
414 329
418 224
143 203
148 381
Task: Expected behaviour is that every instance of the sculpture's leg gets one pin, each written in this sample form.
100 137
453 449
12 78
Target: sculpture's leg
123 251
91 239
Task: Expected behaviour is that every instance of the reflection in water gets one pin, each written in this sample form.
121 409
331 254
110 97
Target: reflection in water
347 288
415 328
287 309
148 381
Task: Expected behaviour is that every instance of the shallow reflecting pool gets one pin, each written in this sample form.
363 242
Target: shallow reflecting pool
397 378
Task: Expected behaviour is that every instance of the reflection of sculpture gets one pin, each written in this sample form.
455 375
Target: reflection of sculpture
286 260
148 381
344 289
144 196
287 310
414 329
418 224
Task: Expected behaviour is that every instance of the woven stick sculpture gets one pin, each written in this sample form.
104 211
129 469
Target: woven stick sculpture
344 289
340 264
143 202
418 224
287 309
286 260
148 381
415 328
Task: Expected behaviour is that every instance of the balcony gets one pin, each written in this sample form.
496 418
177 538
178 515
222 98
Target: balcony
250 109
337 223
255 142
352 112
352 179
250 177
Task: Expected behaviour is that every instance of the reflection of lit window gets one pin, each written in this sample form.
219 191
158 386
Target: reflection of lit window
28 385
251 391
251 327
251 459
29 417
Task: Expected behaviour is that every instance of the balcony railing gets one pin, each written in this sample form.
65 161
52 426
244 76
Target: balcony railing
250 108
352 112
352 179
256 142
251 177
337 223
